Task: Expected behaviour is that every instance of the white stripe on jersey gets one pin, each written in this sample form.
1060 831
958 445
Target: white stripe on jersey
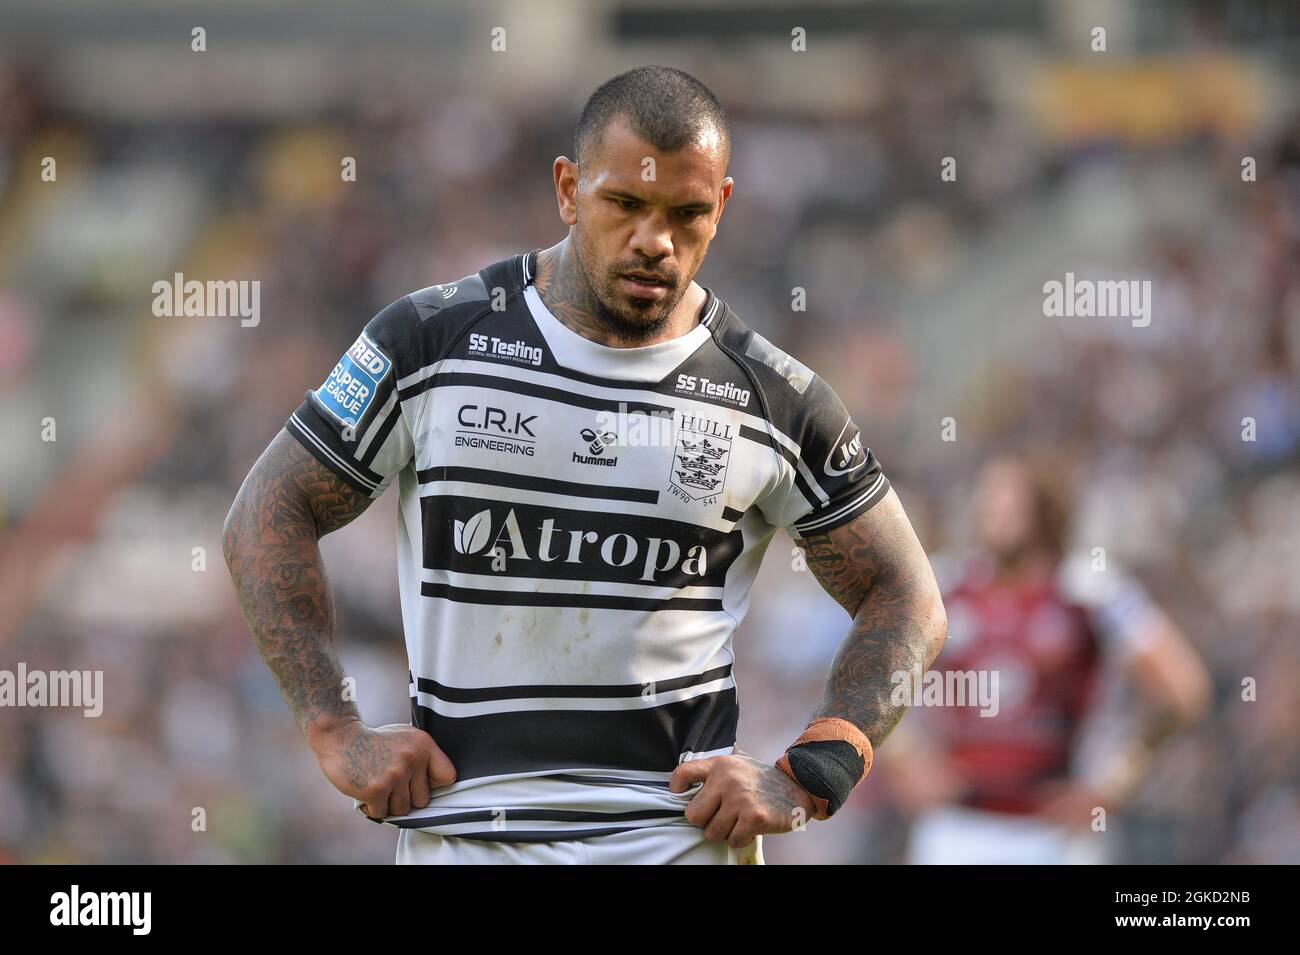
377 424
652 698
588 389
835 514
585 791
343 465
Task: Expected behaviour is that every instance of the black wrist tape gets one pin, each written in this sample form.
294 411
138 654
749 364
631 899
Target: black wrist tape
829 769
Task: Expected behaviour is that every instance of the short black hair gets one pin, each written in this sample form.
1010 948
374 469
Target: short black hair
666 107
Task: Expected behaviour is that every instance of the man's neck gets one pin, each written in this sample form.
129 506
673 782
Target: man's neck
565 292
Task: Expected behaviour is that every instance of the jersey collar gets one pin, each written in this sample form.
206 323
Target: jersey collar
650 363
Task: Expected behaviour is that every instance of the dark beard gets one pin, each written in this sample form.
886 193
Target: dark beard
629 330
631 327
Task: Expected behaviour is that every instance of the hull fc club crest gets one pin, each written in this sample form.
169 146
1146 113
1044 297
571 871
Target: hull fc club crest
700 459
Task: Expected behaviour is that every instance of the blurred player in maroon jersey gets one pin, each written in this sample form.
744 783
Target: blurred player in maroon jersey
1013 782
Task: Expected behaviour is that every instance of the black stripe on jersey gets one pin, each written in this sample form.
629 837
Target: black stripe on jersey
520 835
646 739
759 437
587 378
531 389
382 434
710 309
536 815
753 434
800 482
841 512
531 482
531 598
731 514
326 447
607 781
806 490
462 694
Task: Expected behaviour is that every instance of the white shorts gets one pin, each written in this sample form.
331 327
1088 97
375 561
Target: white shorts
652 845
955 835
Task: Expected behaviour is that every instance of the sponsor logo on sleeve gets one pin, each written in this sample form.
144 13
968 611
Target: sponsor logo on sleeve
351 386
847 454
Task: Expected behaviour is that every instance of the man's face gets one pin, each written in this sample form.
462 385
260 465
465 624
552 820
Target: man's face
642 221
1005 516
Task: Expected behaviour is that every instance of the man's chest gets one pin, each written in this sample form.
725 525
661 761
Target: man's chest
637 454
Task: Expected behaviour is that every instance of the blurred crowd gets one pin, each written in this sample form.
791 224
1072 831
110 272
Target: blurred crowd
110 534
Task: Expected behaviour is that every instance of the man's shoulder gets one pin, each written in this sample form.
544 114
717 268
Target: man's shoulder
492 285
837 476
793 393
777 368
421 324
444 298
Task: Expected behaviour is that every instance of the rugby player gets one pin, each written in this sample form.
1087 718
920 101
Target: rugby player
592 453
1092 676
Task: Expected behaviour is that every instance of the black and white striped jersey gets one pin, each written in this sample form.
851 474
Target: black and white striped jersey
579 529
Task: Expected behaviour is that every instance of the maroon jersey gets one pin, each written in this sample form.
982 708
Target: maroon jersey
1044 642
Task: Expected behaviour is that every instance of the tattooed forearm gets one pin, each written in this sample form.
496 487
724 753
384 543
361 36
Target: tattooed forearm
877 570
287 502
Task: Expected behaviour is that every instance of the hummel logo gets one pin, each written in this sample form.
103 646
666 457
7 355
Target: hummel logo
597 442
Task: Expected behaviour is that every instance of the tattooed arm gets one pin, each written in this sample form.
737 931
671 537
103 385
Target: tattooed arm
287 503
876 569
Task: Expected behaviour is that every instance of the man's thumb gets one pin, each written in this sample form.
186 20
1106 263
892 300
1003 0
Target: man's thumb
441 771
688 773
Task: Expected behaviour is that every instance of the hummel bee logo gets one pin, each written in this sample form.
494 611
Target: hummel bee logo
597 442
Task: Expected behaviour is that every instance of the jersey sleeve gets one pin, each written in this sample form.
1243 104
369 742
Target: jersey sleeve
1118 606
833 476
354 422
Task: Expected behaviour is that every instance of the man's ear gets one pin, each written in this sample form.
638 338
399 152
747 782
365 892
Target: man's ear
723 195
565 173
